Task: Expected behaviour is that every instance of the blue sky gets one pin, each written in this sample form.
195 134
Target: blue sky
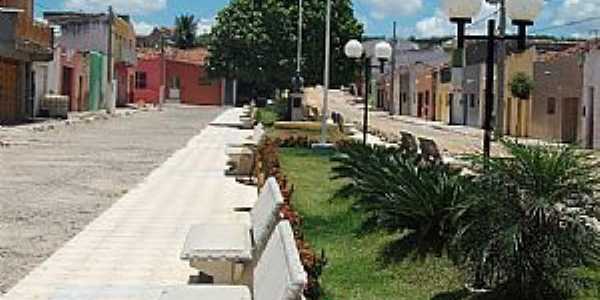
415 17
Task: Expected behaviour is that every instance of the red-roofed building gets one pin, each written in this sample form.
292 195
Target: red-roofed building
186 77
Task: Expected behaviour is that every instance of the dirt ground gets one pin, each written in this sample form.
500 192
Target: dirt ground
52 184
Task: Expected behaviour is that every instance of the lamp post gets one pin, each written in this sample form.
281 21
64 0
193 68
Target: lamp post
461 12
383 52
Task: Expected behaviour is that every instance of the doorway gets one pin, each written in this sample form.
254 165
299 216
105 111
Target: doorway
570 116
67 86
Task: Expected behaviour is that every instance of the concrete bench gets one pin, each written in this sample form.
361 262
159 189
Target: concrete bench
278 275
219 250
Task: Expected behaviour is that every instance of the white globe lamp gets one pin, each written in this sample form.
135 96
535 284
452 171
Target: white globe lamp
524 10
354 49
461 9
383 51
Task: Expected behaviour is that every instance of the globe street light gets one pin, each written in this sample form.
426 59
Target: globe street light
383 52
461 12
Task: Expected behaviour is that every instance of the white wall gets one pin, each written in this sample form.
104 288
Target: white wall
591 78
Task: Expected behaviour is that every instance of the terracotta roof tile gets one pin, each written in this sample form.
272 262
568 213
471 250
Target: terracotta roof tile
197 56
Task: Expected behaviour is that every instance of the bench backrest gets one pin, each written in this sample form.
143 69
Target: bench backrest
430 150
258 133
408 142
265 214
279 274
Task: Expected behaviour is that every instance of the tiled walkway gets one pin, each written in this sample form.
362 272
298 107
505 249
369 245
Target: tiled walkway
137 241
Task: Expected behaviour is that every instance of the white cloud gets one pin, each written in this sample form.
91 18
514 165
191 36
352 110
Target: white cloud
143 28
577 10
205 25
439 24
120 6
379 9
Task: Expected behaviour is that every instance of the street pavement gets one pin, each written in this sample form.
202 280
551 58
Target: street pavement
452 140
54 183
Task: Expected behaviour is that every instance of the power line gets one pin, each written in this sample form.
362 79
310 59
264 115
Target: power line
571 23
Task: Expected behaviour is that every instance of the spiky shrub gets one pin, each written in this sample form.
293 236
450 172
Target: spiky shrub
517 238
400 192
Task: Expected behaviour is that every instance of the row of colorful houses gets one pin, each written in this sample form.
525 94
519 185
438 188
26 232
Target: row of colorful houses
97 62
563 105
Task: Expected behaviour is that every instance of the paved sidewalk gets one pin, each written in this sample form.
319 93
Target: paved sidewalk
136 243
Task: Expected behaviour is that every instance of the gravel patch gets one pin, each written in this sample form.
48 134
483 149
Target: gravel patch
52 184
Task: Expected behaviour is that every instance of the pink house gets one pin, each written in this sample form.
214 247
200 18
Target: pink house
186 78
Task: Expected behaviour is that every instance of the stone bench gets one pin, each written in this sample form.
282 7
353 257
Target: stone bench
278 275
219 250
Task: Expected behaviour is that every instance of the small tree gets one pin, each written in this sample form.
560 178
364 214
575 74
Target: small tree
186 27
521 85
517 237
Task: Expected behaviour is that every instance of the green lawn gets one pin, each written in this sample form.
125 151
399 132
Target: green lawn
356 270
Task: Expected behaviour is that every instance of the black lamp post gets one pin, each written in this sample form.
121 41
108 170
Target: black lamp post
383 52
522 12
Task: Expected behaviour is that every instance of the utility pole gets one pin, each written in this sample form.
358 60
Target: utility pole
325 115
300 23
501 70
109 58
393 109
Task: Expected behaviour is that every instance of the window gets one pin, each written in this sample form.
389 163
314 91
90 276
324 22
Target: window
472 101
141 80
551 106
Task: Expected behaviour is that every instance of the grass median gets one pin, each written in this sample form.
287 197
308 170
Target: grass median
356 267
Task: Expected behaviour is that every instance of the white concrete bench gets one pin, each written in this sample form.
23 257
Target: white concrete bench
242 155
278 275
217 249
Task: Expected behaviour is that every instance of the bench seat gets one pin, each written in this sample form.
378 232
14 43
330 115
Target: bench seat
200 292
210 242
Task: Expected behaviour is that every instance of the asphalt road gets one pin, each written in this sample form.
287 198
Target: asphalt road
58 181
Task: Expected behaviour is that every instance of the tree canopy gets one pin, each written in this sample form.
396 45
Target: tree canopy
255 42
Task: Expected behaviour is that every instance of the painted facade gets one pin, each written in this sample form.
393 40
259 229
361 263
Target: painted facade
105 37
517 112
186 78
443 95
556 102
590 104
23 41
425 91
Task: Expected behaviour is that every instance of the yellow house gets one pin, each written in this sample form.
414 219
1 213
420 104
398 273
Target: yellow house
517 112
443 93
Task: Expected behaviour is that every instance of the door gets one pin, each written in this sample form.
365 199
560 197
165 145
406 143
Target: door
570 109
9 105
175 88
420 105
67 86
508 114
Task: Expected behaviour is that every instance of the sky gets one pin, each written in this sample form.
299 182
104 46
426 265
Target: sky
421 18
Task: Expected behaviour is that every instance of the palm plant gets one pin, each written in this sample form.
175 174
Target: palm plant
398 191
516 236
186 27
